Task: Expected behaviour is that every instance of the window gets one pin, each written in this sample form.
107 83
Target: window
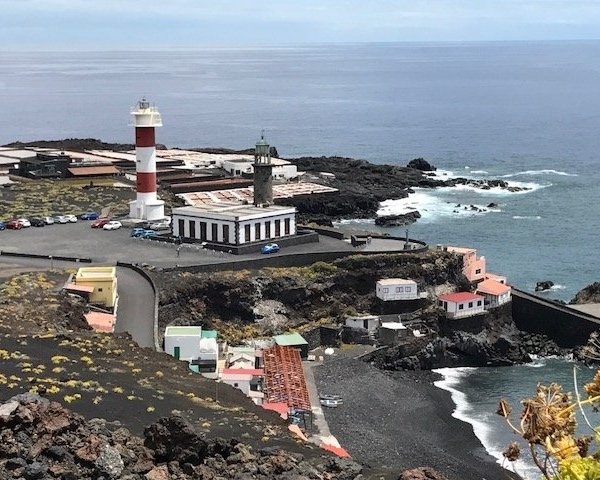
214 232
181 227
399 289
257 231
267 229
386 290
203 231
478 271
461 306
440 303
470 304
247 232
192 226
235 385
277 228
226 234
99 289
407 289
286 226
479 303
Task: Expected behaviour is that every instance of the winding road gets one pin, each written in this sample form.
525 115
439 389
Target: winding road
135 314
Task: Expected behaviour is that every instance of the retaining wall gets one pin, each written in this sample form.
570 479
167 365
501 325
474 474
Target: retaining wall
567 327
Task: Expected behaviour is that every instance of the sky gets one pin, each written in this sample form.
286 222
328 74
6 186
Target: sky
158 24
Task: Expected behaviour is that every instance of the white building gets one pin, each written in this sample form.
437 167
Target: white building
495 293
389 289
234 223
369 322
461 304
207 357
183 343
242 378
282 169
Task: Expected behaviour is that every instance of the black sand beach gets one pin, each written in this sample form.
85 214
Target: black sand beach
402 421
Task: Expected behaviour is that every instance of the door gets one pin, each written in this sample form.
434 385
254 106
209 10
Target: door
177 352
181 225
192 225
226 234
247 232
203 231
215 232
277 228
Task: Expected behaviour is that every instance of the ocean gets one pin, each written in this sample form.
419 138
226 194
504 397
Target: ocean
528 113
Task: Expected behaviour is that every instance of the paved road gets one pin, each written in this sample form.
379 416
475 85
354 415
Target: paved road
135 314
324 437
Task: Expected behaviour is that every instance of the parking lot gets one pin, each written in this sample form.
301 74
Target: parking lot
80 240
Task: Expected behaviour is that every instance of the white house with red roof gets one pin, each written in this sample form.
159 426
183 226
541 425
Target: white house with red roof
461 304
495 293
248 380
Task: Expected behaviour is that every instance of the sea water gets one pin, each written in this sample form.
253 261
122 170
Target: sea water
477 391
528 113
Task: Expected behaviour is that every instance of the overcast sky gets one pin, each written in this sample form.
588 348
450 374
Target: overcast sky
132 24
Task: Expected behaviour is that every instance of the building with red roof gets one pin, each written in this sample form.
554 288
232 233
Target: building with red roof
461 304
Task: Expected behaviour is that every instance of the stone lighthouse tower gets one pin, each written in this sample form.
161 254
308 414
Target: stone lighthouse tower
146 205
263 173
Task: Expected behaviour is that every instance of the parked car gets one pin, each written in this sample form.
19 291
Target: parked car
112 225
37 222
334 398
269 248
137 232
162 225
329 403
2 226
100 222
71 218
89 216
61 219
149 234
14 225
24 221
48 220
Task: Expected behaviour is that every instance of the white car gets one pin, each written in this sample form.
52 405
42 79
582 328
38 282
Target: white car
48 220
24 221
61 219
112 225
162 225
71 218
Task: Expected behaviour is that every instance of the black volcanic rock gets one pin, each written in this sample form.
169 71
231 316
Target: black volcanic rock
544 285
398 220
421 164
589 294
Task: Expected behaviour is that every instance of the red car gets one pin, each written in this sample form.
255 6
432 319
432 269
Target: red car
100 222
14 224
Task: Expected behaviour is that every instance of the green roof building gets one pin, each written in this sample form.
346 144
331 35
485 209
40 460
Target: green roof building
293 340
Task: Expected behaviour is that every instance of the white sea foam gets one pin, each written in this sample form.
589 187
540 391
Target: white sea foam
529 186
430 206
527 217
356 220
539 172
480 172
463 411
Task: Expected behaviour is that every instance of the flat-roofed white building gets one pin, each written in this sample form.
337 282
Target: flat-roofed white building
368 322
234 224
391 289
183 342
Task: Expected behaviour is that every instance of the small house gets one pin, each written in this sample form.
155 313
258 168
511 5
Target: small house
293 340
391 289
461 304
473 266
244 379
208 357
103 281
494 293
390 333
368 322
183 342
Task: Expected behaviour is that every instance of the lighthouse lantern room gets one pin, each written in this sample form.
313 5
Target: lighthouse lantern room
146 206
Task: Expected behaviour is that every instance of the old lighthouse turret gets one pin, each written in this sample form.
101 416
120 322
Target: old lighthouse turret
263 173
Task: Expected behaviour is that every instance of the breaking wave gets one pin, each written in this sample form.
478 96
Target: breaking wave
539 172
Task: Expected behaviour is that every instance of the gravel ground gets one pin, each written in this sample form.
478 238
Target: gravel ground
401 421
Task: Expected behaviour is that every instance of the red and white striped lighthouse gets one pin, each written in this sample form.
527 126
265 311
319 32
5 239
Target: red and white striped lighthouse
146 206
